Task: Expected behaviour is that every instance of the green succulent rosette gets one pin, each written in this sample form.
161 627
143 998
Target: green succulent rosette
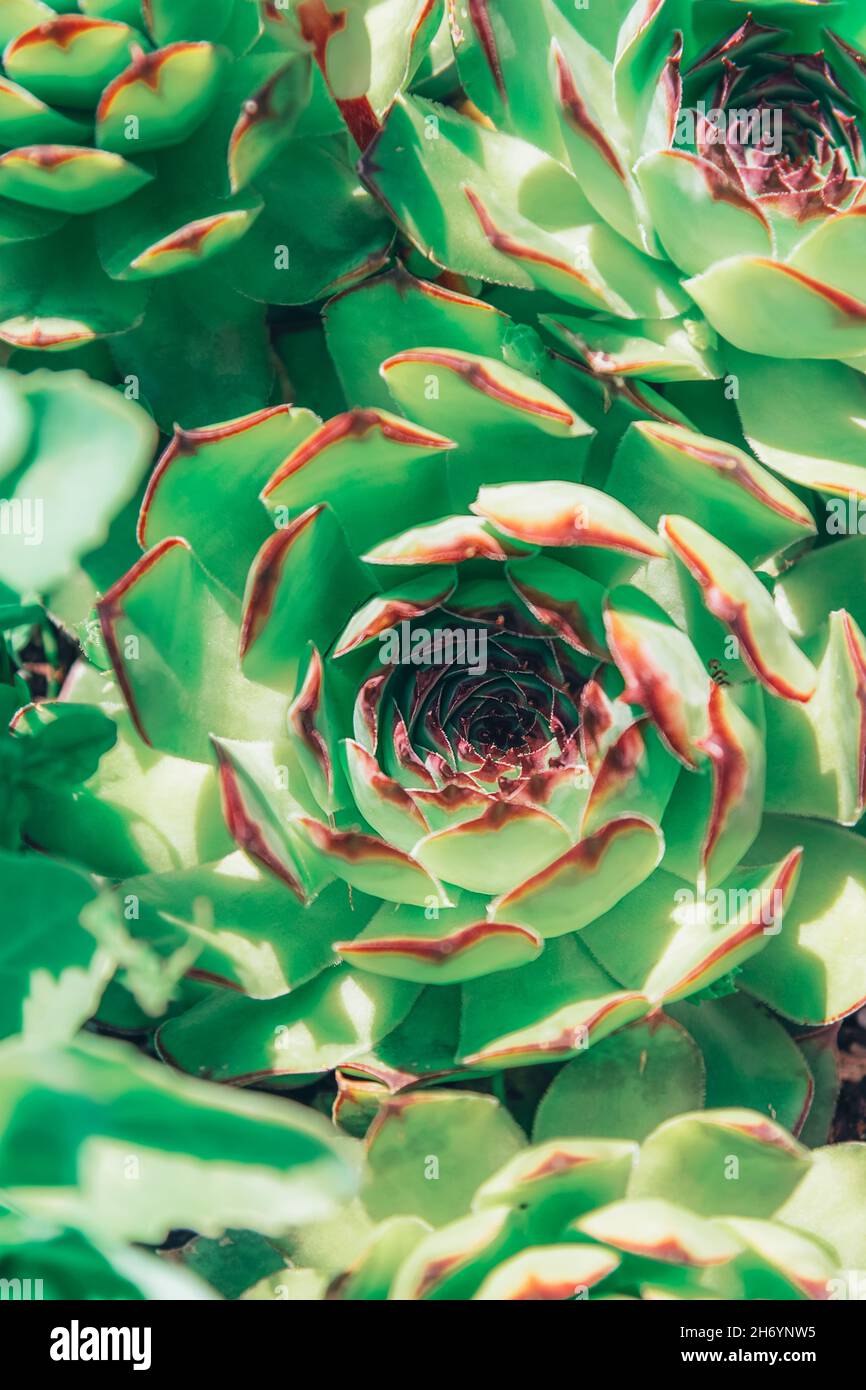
495 712
724 138
467 735
671 192
716 1204
712 229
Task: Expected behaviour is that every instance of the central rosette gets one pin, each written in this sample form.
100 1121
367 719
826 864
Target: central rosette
482 709
467 723
467 732
780 127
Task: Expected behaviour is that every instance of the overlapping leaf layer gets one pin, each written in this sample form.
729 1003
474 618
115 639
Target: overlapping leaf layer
480 694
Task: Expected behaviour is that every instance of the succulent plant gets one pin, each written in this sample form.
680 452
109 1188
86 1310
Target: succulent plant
102 1147
495 748
718 1204
493 712
729 145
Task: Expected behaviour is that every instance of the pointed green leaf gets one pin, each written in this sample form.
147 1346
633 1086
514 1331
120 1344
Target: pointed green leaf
371 467
661 467
452 945
700 215
253 934
586 881
205 488
68 59
669 942
831 322
548 1011
735 596
814 969
821 449
159 99
181 681
322 1025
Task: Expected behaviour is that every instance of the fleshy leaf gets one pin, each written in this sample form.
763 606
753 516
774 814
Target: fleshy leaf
552 1272
581 261
661 669
201 465
817 750
562 598
814 969
832 321
750 1058
661 468
713 818
322 1025
182 683
737 598
689 1160
25 120
253 934
446 542
586 881
701 216
168 93
308 186
370 1277
506 845
55 294
69 59
789 1264
560 1179
470 1135
198 376
660 350
53 970
260 799
815 449
394 312
487 407
372 865
208 1157
383 803
669 942
452 1262
68 178
566 514
282 611
455 944
826 579
654 1069
360 463
385 612
368 57
635 775
550 1010
655 1230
